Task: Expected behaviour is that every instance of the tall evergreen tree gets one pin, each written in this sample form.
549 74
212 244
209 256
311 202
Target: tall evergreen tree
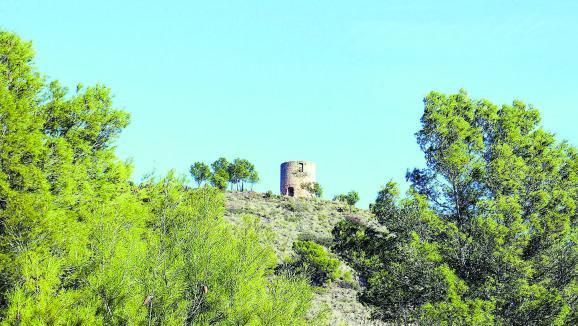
493 215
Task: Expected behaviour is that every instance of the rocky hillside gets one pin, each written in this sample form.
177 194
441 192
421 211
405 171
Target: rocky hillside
292 219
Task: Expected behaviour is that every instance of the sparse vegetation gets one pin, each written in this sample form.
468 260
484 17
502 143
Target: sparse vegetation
312 220
351 198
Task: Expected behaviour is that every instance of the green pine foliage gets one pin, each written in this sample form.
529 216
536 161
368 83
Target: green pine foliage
486 235
80 244
237 173
200 172
316 262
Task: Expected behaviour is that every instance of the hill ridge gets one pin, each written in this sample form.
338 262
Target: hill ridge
291 219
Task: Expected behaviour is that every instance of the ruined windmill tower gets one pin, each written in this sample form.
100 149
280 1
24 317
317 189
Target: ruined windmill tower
295 175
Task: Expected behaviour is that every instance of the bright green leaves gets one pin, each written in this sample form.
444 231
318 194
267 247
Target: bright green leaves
506 171
80 244
16 72
199 269
24 197
516 122
287 298
316 262
450 136
86 120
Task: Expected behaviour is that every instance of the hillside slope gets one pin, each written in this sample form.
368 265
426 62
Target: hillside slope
292 219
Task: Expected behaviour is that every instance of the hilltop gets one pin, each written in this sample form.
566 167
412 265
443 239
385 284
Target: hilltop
486 235
292 219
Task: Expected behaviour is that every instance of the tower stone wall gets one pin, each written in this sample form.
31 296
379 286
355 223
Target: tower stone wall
294 175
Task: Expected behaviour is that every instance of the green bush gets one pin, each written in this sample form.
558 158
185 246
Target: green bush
348 277
315 261
82 245
351 198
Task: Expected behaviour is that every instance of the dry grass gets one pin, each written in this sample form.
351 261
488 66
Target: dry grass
292 219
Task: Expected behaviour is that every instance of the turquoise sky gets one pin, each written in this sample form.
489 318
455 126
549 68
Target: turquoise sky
336 82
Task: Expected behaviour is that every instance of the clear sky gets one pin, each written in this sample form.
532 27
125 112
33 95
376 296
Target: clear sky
336 82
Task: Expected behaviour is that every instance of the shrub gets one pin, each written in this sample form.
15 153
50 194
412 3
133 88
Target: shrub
315 261
351 198
291 206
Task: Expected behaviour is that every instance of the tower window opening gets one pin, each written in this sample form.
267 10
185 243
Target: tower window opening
300 167
291 191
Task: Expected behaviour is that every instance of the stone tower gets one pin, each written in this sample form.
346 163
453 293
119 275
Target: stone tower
294 174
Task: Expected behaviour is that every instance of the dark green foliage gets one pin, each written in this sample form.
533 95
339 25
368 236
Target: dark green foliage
219 179
200 172
237 173
82 245
220 174
486 235
316 262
